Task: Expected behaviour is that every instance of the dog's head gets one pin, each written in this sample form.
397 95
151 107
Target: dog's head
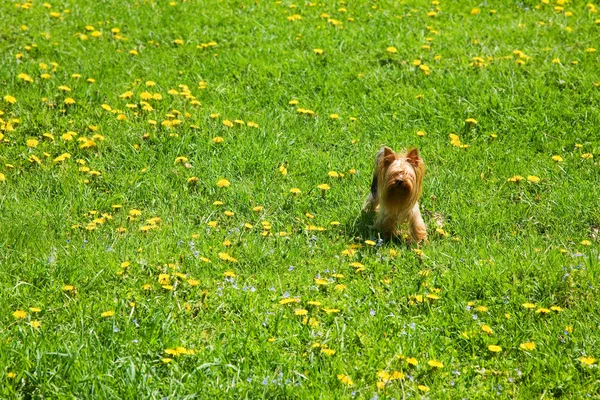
400 176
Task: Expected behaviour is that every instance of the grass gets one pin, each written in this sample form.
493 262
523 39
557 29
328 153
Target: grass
299 298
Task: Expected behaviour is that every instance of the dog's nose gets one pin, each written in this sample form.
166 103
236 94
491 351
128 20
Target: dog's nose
399 182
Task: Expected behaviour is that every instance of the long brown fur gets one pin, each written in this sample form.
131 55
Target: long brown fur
395 192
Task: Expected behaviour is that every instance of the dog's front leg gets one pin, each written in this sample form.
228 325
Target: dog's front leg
417 227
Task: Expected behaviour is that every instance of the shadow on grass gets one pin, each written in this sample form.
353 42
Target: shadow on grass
363 228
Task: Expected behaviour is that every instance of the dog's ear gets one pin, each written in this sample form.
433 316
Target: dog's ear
414 158
387 156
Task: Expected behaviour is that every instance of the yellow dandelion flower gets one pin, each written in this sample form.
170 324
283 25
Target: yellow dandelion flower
164 279
494 348
533 178
516 178
527 346
396 375
107 314
435 364
587 360
345 379
19 314
289 300
487 329
25 77
226 257
392 50
412 361
62 157
223 183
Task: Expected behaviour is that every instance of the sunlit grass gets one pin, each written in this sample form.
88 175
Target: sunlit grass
181 185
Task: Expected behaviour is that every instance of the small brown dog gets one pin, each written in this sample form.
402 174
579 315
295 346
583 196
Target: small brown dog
396 188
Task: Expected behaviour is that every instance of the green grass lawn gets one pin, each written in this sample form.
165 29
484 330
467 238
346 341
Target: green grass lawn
163 233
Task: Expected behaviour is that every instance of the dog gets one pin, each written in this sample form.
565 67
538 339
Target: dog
396 189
